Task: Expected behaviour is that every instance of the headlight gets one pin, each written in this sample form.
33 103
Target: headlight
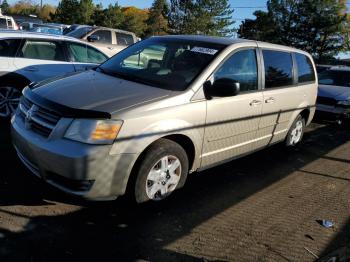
101 132
344 103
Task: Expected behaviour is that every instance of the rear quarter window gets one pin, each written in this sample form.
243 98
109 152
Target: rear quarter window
306 71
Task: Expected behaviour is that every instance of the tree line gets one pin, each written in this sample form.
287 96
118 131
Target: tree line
210 17
320 27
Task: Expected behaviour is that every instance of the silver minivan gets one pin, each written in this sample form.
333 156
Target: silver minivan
161 109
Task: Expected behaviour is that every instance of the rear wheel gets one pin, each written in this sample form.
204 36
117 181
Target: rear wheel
296 132
163 169
9 100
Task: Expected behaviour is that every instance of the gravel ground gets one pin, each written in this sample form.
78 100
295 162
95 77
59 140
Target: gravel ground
263 207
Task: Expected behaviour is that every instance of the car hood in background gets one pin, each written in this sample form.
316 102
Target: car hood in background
336 92
96 91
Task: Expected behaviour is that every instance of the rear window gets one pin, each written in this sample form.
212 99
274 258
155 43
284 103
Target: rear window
124 39
334 78
43 50
3 23
9 47
305 69
278 68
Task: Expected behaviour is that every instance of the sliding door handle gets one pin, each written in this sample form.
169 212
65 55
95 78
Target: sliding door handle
255 103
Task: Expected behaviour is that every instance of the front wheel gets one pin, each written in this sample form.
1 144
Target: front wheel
9 100
296 132
163 169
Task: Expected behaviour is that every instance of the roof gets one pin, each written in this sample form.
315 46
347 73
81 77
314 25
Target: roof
25 34
230 41
34 35
209 39
340 68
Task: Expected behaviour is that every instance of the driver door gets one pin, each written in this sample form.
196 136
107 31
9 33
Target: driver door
232 122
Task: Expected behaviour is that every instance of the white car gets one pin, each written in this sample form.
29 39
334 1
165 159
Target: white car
33 57
7 22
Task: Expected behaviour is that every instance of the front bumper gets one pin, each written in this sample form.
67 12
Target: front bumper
332 112
88 171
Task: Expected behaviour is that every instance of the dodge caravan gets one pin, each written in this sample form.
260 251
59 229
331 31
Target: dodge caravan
142 125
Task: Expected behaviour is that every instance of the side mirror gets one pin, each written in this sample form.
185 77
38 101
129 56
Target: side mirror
93 38
223 87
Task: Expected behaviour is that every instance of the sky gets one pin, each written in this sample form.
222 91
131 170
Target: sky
239 13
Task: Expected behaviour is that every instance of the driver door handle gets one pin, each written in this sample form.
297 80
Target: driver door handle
270 100
255 103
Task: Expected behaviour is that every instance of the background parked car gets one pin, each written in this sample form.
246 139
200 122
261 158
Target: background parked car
42 28
7 22
30 57
108 40
333 99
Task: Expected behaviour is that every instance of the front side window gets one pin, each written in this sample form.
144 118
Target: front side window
105 36
241 67
124 39
42 50
278 68
162 62
9 47
334 78
85 54
305 68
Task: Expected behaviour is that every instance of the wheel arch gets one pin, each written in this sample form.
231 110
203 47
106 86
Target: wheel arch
14 80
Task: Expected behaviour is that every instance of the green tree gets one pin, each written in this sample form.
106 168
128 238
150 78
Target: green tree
85 12
66 12
209 17
5 7
316 26
113 17
157 22
134 20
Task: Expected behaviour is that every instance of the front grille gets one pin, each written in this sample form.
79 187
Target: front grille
326 101
38 119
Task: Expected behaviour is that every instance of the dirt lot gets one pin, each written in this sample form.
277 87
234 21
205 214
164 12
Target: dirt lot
260 208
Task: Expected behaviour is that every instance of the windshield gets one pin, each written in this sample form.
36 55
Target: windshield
80 32
335 78
162 62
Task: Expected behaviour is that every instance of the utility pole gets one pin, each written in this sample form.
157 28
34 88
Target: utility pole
41 4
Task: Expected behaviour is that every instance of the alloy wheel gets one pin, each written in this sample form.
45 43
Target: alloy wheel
9 100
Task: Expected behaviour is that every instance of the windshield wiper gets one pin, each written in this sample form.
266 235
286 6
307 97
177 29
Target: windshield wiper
132 78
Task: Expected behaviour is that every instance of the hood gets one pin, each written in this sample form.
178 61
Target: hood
96 91
336 92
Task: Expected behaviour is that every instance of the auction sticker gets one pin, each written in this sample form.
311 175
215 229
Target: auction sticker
204 50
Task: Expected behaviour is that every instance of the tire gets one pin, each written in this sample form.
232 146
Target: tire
296 132
162 170
9 100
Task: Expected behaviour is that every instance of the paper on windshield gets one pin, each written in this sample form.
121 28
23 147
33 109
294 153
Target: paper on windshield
204 50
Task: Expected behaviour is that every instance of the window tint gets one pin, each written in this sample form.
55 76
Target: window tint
124 39
85 54
305 69
3 23
104 35
43 50
9 47
278 68
242 68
